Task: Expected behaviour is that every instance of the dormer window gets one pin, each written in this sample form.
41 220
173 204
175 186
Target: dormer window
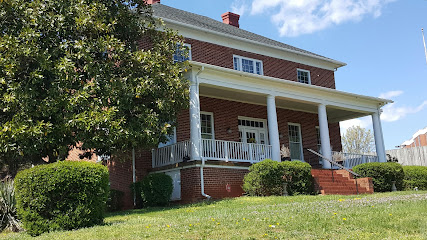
247 65
182 53
303 76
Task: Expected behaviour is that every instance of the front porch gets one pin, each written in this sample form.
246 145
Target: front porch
255 115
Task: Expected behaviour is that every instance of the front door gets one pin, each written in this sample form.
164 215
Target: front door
253 135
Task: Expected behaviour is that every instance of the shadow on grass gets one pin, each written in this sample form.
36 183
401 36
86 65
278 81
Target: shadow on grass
147 210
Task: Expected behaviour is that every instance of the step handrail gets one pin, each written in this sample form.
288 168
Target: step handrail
333 162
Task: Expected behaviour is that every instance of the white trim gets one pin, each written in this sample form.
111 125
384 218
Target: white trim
212 122
300 138
309 75
299 57
240 67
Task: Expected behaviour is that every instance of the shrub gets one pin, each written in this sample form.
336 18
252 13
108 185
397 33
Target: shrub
61 196
382 175
264 179
415 176
156 189
299 177
8 217
115 200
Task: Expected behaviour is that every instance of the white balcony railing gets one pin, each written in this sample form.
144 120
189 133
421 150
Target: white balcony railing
212 150
235 151
171 154
349 160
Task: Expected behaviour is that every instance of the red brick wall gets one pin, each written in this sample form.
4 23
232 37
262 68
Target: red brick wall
273 67
120 168
226 113
419 141
215 180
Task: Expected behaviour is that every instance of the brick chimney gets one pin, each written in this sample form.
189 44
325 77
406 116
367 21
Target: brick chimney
231 19
152 1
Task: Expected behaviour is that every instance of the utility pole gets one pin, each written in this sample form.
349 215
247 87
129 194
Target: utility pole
424 41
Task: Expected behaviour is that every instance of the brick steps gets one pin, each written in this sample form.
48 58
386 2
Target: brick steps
341 183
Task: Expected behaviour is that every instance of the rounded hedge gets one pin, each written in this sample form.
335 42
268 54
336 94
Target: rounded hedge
415 177
156 189
61 196
382 174
299 176
266 178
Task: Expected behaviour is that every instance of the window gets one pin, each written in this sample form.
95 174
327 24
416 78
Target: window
303 76
247 65
295 141
207 126
182 54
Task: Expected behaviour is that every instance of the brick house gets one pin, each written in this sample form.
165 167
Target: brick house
249 95
419 139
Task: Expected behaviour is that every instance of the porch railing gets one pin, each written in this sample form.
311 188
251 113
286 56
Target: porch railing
212 150
349 160
234 151
171 154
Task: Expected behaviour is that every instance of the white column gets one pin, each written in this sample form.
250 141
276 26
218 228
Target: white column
324 135
378 135
195 134
273 129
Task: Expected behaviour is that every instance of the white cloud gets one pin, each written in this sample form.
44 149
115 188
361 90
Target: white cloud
240 7
296 17
392 113
391 94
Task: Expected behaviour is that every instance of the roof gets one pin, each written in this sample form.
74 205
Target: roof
416 134
176 15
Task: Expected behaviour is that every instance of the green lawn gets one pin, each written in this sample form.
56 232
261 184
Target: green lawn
401 215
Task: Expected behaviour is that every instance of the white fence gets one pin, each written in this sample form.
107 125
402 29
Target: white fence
212 150
416 156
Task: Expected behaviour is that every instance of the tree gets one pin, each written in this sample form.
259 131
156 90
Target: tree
358 140
73 71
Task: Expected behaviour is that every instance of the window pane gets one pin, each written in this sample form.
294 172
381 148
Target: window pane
247 66
303 77
182 54
236 63
295 150
258 68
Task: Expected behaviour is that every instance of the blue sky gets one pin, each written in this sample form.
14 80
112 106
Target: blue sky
380 40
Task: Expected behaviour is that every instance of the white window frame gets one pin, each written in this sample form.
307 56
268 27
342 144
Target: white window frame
265 127
189 51
239 64
300 139
212 123
309 75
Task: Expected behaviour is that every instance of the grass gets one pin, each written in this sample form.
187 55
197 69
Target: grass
399 215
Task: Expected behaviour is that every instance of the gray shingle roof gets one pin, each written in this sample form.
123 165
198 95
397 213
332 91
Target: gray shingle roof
177 15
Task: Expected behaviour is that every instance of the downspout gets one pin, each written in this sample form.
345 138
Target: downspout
133 176
202 179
